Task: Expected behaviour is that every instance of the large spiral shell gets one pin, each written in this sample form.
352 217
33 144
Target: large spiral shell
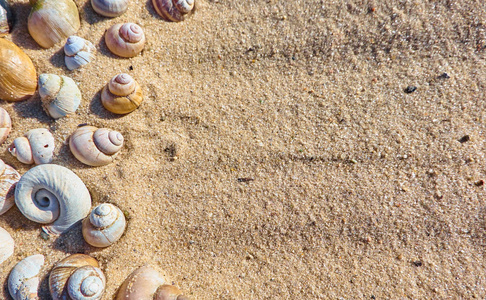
122 94
52 194
59 94
78 52
110 8
36 146
125 40
23 280
174 10
8 179
6 245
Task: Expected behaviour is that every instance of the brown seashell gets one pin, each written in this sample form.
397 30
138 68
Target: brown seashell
174 10
125 40
122 94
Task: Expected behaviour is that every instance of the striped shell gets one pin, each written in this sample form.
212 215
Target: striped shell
174 10
8 179
122 94
36 146
110 8
125 40
23 280
104 226
60 95
78 52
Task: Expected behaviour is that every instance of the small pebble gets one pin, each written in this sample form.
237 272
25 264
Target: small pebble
464 139
410 89
444 76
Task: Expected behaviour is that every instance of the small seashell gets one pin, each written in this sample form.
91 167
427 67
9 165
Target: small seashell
5 125
52 194
110 8
6 245
6 18
60 95
95 147
78 52
174 10
77 277
125 40
36 146
104 226
122 94
23 280
8 179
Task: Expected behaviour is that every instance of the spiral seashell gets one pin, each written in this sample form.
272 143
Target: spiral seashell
36 146
5 125
77 277
78 52
60 95
122 94
6 245
52 194
104 226
95 147
6 18
51 21
146 283
125 40
23 280
110 8
174 10
18 78
8 179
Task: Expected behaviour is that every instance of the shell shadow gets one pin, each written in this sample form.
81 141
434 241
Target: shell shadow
17 221
32 108
57 59
97 108
89 15
150 8
71 241
43 290
21 36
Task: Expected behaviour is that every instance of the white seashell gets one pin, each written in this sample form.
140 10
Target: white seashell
95 147
23 280
8 179
6 245
125 40
5 125
110 8
78 52
77 277
59 94
105 225
52 194
36 146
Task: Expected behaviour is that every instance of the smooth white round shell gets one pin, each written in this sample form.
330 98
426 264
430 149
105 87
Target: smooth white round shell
110 8
23 280
6 245
78 52
8 179
60 95
36 146
105 225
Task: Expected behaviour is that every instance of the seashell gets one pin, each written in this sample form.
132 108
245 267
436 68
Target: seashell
52 194
125 40
122 94
110 8
18 79
174 10
51 21
95 147
5 125
36 146
104 226
146 283
78 52
77 277
6 245
23 280
60 95
6 18
8 179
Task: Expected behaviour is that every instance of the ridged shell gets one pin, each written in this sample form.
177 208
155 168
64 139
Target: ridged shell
36 146
125 40
174 10
51 194
122 94
95 147
110 8
77 277
51 21
5 125
78 52
6 18
18 78
23 280
104 226
8 179
60 95
6 245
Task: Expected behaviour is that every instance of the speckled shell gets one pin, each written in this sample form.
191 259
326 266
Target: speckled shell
6 245
174 10
104 226
54 195
110 8
5 125
60 95
122 94
23 280
77 277
6 18
125 40
51 21
18 78
78 52
95 147
36 146
8 179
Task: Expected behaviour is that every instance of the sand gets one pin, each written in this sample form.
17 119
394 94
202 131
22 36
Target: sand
276 154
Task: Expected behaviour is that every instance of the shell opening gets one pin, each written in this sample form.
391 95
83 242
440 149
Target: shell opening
131 32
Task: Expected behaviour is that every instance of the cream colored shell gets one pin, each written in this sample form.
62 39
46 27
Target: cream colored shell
104 226
110 8
174 10
8 179
60 95
6 245
36 146
5 125
23 280
125 40
122 94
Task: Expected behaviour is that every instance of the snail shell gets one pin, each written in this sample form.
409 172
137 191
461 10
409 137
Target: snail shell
51 21
78 52
8 179
60 95
77 277
23 280
110 8
95 147
105 225
125 40
5 125
174 10
36 146
52 194
6 245
6 18
122 94
18 79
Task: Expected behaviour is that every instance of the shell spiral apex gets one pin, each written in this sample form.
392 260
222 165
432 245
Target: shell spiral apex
110 8
23 280
36 146
104 226
122 94
8 179
125 40
78 51
60 95
174 10
6 245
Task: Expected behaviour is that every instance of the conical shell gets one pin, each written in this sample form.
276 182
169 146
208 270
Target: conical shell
6 245
174 10
23 280
36 146
6 18
125 40
59 94
5 125
78 52
8 179
105 225
122 94
110 8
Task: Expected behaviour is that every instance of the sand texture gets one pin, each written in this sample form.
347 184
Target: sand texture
277 155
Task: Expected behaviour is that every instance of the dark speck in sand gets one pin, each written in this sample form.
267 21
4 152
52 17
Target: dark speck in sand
410 89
